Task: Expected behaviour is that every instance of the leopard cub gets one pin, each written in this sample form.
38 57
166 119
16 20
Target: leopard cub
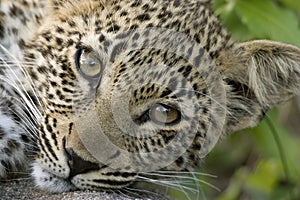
102 94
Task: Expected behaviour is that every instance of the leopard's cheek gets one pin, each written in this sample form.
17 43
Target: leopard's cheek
52 155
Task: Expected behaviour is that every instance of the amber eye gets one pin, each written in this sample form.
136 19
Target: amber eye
88 63
164 115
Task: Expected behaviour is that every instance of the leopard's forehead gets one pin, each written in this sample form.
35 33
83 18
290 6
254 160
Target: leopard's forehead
102 20
104 26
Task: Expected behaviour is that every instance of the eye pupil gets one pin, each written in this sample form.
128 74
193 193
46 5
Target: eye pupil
164 115
88 63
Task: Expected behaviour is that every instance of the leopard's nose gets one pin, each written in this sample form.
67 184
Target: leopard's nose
78 165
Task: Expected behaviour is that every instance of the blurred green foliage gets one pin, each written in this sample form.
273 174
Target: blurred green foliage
260 168
266 19
251 164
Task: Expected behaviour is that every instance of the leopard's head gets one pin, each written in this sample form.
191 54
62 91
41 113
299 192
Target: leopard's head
128 88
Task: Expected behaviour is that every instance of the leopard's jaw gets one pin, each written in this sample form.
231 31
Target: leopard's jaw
49 182
162 81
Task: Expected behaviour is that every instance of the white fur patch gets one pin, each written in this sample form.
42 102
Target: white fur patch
50 182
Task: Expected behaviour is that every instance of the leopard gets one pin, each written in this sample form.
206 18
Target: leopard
102 94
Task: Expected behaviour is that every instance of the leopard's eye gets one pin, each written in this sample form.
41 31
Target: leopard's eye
164 115
88 63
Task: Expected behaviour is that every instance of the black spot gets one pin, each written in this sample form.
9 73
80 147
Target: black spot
2 30
70 42
21 43
124 13
31 56
113 28
53 136
145 7
192 157
116 50
134 26
53 84
143 17
2 133
59 41
165 93
196 146
59 30
101 38
179 161
187 71
7 151
71 23
176 3
67 90
49 128
136 3
13 144
50 96
6 165
15 11
47 36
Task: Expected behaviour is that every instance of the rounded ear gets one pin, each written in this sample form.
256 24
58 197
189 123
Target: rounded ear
271 69
261 74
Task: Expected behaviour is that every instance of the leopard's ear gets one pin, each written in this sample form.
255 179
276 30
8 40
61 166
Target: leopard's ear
261 74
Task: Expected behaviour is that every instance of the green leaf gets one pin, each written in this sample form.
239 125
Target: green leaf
265 176
268 21
292 4
236 185
290 144
231 20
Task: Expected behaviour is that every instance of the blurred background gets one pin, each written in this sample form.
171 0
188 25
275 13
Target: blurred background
261 163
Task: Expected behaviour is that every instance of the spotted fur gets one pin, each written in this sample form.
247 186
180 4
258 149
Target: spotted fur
174 53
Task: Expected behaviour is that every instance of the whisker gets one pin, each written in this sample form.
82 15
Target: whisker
27 102
169 183
27 116
184 191
127 196
184 182
206 95
21 173
16 179
15 77
167 176
188 173
15 63
28 123
134 190
25 98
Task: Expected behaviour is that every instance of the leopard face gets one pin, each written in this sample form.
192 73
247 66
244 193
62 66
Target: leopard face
129 87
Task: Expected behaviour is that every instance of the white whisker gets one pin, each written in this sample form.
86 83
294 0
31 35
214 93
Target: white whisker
183 190
165 183
20 87
206 95
16 179
179 180
28 102
184 173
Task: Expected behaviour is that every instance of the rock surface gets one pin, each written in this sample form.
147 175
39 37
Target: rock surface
24 189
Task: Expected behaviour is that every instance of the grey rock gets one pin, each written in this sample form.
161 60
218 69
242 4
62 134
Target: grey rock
25 189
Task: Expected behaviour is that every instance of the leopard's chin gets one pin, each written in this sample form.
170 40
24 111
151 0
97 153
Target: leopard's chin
50 182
